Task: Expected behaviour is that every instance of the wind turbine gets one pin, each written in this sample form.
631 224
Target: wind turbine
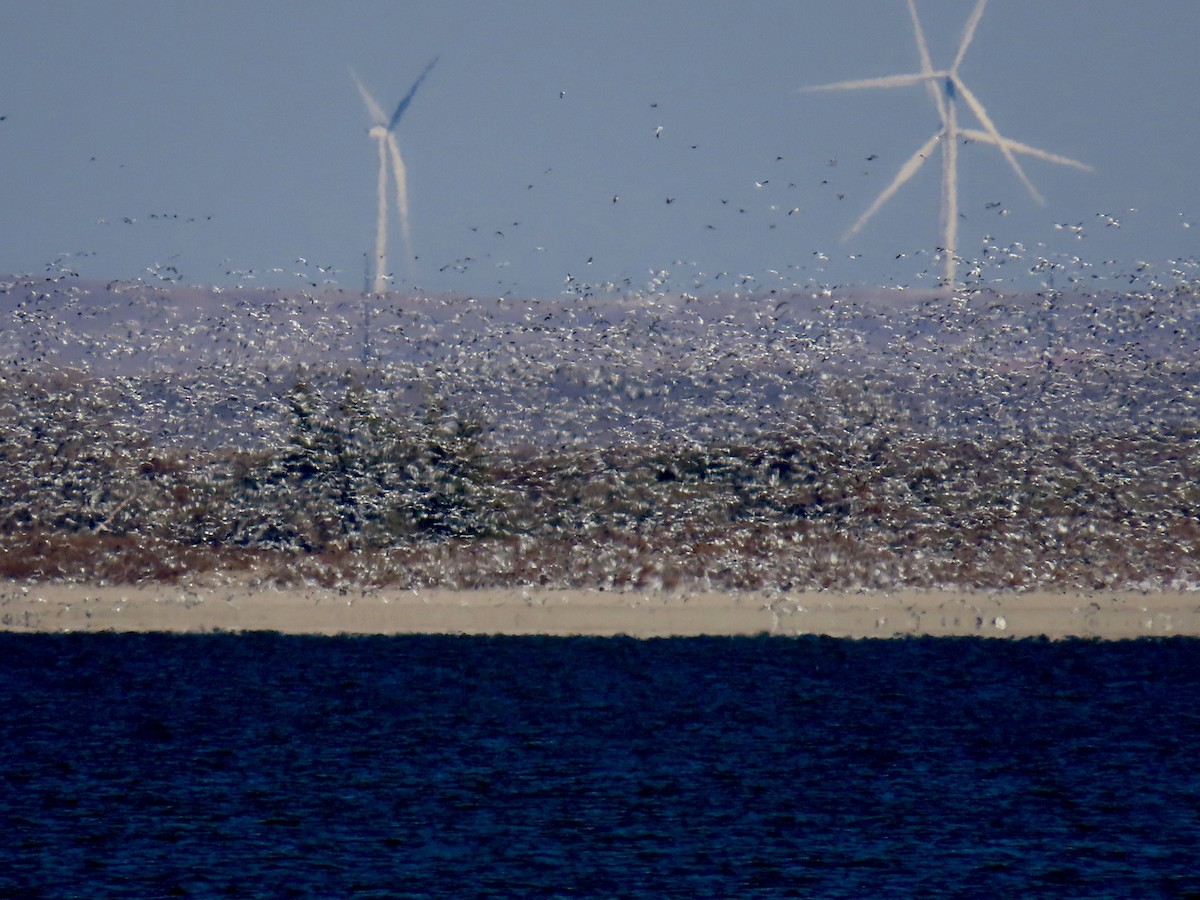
945 88
383 130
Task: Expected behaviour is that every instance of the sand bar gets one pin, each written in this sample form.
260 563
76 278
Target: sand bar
1110 615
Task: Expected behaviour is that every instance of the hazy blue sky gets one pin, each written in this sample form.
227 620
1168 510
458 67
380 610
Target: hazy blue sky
539 113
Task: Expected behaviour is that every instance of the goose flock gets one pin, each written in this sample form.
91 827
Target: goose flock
753 437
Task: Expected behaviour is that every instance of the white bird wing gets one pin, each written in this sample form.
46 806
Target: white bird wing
906 172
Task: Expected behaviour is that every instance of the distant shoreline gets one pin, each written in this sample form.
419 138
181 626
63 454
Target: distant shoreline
1108 615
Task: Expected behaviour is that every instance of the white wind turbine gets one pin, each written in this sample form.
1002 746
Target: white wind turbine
383 130
945 88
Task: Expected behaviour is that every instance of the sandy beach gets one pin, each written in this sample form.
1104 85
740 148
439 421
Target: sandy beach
59 607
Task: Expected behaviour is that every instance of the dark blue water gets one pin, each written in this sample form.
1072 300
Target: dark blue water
272 766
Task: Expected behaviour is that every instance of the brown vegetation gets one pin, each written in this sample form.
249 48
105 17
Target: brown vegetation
356 494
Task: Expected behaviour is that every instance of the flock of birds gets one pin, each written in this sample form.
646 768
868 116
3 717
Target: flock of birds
201 377
603 366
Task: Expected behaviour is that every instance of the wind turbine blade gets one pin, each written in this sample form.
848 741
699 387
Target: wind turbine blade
922 46
935 89
373 108
906 172
403 104
381 222
1002 143
888 81
401 191
1017 147
968 34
